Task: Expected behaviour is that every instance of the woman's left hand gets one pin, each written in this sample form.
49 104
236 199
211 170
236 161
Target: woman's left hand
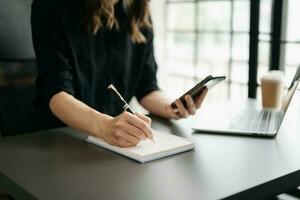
192 106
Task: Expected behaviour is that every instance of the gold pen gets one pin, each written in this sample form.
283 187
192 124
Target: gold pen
126 106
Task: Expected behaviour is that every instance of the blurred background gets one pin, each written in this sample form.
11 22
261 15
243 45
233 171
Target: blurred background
241 39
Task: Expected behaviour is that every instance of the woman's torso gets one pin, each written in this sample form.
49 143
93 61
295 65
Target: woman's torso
95 60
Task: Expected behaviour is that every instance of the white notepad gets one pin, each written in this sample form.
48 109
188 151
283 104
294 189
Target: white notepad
165 145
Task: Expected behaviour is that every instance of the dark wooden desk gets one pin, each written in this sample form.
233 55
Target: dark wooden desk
55 164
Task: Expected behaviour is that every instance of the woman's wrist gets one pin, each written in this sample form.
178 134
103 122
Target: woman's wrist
99 124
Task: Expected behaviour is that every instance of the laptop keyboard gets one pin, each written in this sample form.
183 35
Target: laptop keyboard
257 121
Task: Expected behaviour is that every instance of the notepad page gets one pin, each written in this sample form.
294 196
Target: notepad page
163 142
165 145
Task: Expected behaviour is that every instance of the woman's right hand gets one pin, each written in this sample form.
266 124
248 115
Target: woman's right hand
125 130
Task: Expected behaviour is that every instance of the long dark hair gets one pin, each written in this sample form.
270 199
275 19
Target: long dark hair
101 14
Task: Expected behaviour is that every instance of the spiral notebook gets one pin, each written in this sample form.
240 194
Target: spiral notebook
165 145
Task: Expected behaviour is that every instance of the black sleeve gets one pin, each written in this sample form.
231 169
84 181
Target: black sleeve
148 80
54 71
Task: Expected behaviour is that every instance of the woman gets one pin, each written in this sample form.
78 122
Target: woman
81 47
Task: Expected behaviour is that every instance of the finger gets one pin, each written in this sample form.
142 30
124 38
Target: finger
175 110
118 141
137 122
182 111
134 131
122 139
200 99
190 104
111 141
124 143
172 113
130 138
144 118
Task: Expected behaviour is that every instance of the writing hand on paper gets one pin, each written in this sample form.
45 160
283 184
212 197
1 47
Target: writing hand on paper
127 130
192 106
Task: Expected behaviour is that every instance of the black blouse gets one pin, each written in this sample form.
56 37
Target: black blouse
71 59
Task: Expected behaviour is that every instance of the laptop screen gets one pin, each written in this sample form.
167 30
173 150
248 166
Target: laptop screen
291 90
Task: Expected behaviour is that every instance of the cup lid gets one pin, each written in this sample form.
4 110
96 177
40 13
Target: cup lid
274 75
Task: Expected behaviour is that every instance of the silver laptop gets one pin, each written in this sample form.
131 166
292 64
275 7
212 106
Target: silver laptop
248 119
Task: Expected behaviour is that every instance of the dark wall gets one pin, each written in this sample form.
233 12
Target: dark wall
17 66
15 34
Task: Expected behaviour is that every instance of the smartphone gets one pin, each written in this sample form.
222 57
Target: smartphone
209 82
